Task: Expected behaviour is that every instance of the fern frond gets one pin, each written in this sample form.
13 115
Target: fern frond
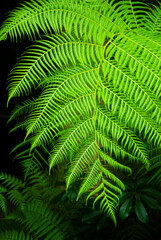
104 190
11 181
8 234
71 140
81 162
135 89
43 135
92 178
98 74
154 19
127 111
16 198
63 115
42 222
134 12
48 55
142 69
49 16
109 125
13 186
112 163
54 101
21 110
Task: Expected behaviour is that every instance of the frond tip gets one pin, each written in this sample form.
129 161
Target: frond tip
105 188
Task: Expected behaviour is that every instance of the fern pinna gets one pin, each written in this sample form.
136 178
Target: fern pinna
96 65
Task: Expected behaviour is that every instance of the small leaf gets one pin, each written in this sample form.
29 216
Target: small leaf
125 209
141 211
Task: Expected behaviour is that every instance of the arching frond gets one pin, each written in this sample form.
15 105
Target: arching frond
48 55
21 110
11 181
104 190
54 103
97 72
47 16
65 115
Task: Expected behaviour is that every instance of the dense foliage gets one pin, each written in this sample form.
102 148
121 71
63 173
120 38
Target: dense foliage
37 206
94 76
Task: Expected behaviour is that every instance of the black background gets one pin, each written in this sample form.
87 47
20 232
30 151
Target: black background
9 53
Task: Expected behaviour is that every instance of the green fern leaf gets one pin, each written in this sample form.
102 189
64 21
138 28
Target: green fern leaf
15 235
98 73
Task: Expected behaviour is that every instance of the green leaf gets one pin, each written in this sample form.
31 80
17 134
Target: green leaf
141 211
125 209
152 192
151 202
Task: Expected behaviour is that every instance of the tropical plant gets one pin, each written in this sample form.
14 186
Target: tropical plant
29 205
139 197
94 71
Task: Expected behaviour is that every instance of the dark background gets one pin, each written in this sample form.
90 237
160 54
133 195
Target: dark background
9 54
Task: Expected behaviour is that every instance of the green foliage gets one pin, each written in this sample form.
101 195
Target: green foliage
30 203
96 68
39 207
125 209
139 197
15 235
